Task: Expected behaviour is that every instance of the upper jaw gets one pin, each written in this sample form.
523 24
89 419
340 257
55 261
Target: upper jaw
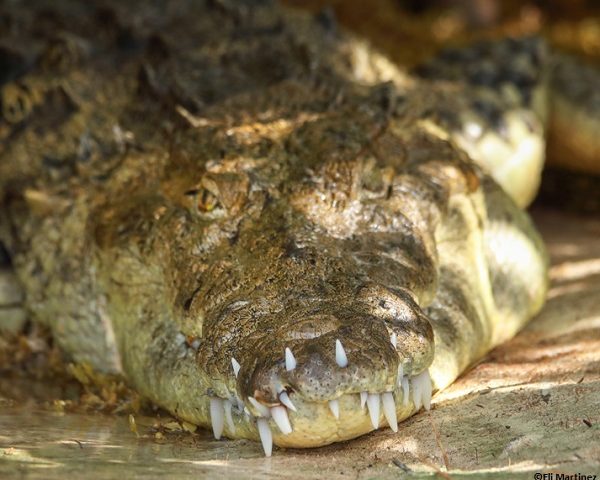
353 349
348 360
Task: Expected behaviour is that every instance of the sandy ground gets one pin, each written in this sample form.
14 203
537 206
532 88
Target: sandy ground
532 405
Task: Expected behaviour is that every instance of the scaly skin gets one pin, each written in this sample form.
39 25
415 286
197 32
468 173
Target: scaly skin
235 181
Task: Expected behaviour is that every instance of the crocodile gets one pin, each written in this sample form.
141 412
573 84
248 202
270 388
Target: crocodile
259 221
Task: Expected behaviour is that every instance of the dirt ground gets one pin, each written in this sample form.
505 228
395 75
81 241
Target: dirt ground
532 405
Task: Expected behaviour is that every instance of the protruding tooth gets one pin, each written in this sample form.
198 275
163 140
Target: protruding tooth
427 391
394 339
266 437
228 418
263 410
389 410
285 399
236 366
340 354
405 390
334 406
363 399
416 392
373 407
422 386
290 360
216 416
279 414
400 374
422 390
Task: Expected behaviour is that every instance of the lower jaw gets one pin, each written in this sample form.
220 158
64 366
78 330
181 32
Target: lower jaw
314 424
325 429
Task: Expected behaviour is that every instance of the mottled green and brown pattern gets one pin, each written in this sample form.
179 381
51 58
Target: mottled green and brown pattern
198 187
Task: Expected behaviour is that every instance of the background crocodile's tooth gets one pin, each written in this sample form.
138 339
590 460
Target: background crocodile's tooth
216 416
334 406
290 360
266 437
262 409
394 339
389 410
340 354
373 407
285 399
363 399
236 366
228 417
279 414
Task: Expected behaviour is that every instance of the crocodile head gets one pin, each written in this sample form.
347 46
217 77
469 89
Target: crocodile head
306 319
304 326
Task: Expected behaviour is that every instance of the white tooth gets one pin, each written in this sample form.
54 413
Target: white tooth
340 354
363 399
279 414
394 339
373 407
247 412
334 406
389 410
228 418
216 416
422 390
263 410
405 390
266 437
236 366
416 392
400 373
285 399
290 360
426 388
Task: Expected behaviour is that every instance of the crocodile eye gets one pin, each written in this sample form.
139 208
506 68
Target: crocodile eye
219 195
204 203
207 201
